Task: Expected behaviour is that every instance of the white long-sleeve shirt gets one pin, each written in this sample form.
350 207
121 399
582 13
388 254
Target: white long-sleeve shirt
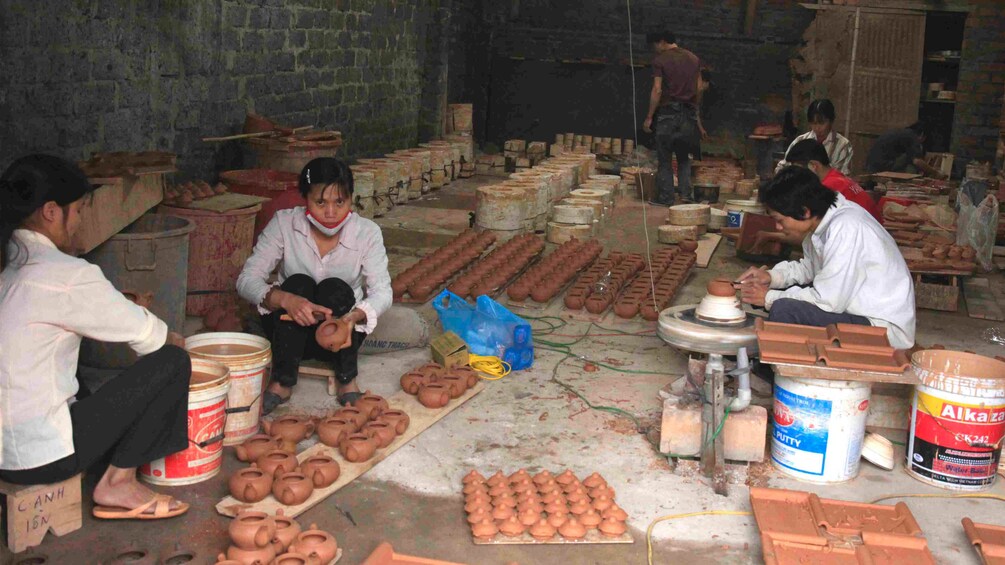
358 259
839 151
851 264
48 301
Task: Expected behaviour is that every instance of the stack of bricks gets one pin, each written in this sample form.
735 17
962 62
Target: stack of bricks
521 155
580 143
980 116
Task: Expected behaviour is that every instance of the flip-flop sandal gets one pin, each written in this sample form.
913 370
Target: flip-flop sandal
161 504
271 401
349 398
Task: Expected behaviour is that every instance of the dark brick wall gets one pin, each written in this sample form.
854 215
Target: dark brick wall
981 83
528 41
80 77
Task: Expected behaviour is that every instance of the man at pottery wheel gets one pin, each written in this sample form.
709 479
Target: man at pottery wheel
851 271
326 255
52 429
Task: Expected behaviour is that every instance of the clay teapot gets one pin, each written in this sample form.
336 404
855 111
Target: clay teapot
352 414
250 484
315 543
467 372
456 384
293 559
411 381
293 429
222 560
357 447
286 531
252 530
263 556
371 405
333 429
434 395
382 431
277 462
256 446
292 488
321 470
397 419
333 333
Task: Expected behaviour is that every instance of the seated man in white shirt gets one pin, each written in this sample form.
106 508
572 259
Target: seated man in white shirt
332 263
49 301
851 270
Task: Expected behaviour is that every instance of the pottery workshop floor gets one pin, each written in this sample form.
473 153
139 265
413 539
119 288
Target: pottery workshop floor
412 498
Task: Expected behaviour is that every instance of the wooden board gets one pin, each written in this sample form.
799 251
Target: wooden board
707 245
34 510
592 536
225 202
421 419
896 175
114 206
799 371
981 301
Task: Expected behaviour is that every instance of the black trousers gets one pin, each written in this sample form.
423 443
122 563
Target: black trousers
792 311
137 417
292 343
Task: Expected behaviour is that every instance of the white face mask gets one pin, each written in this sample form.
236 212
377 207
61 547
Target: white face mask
328 230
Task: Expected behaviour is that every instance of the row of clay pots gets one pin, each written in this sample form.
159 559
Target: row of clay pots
191 191
498 267
932 264
260 539
638 299
596 303
435 385
545 279
280 474
950 252
541 507
432 271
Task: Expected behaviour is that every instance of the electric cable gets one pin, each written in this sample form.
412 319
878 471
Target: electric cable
649 530
490 365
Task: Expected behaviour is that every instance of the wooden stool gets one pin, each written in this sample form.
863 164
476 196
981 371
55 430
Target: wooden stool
317 369
33 510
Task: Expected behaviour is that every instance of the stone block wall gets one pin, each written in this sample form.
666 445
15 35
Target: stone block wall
979 106
81 77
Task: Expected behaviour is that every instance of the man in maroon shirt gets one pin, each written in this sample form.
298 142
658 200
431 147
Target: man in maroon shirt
811 154
673 104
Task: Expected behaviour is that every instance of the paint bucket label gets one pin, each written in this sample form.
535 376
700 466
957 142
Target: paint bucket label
955 441
203 457
799 433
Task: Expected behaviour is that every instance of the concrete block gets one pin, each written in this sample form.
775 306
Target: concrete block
744 433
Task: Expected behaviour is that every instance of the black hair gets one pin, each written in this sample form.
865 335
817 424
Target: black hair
920 128
325 171
795 190
820 108
30 182
808 150
657 36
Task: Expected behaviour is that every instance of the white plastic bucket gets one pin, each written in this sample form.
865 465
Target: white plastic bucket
248 356
207 403
818 428
957 420
736 208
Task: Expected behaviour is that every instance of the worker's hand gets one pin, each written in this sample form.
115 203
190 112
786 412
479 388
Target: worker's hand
176 339
647 125
348 337
754 275
302 310
753 293
702 132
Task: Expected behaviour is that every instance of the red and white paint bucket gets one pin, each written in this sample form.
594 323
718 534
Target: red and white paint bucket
248 357
957 420
207 403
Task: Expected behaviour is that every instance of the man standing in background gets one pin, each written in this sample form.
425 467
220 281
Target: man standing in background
673 104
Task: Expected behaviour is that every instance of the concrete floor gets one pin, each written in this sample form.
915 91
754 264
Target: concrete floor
412 499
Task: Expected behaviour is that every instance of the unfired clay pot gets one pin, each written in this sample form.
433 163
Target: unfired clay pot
473 476
352 414
497 478
398 419
257 445
511 527
502 512
316 543
566 477
292 488
721 287
594 481
357 447
434 395
615 512
332 334
332 430
252 530
590 518
480 514
381 431
286 531
485 529
688 245
528 517
411 381
611 527
222 560
542 477
262 556
556 519
293 429
277 462
293 559
542 530
321 470
371 405
250 484
456 384
468 373
572 529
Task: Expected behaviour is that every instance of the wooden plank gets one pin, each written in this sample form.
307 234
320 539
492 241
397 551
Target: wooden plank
707 245
798 371
981 302
592 536
115 206
33 511
421 419
224 202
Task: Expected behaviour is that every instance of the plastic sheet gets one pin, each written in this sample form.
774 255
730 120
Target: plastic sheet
487 327
978 224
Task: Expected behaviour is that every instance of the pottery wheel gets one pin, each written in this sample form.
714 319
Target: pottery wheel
679 327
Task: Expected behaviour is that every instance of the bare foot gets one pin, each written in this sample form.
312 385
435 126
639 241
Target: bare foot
119 488
283 391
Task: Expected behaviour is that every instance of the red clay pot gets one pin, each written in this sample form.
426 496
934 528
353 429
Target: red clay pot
292 488
250 484
321 470
252 530
397 419
277 462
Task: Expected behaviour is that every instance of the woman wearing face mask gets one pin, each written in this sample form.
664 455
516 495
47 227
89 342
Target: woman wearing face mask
49 300
332 263
820 115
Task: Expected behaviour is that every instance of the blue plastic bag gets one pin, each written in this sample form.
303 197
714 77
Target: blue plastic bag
487 327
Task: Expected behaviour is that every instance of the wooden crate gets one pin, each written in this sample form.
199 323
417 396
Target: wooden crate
937 292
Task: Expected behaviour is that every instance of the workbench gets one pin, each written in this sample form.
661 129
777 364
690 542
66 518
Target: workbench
800 371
